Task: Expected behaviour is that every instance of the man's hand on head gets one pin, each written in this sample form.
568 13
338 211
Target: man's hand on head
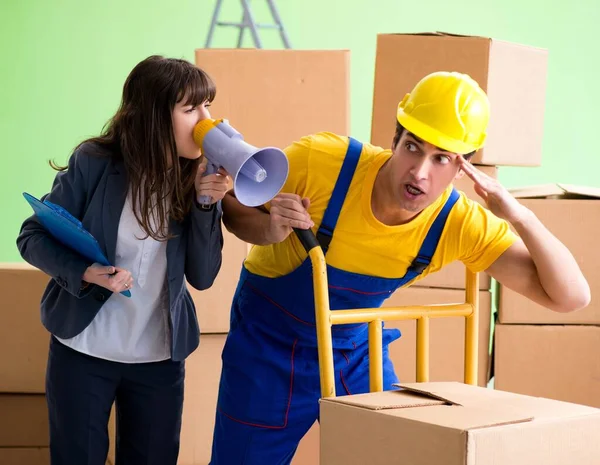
497 198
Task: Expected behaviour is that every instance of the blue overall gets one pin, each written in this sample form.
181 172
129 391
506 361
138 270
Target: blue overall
269 391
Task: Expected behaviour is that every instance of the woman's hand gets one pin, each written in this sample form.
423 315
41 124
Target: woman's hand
113 278
213 186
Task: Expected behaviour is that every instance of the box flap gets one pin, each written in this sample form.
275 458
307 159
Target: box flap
434 33
465 407
452 405
465 418
387 400
457 393
451 34
556 191
425 394
462 36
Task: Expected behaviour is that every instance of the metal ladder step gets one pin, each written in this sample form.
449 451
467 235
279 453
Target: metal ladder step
248 22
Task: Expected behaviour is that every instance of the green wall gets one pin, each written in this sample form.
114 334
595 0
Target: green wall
64 62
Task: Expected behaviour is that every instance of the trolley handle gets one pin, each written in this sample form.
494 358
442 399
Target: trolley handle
307 238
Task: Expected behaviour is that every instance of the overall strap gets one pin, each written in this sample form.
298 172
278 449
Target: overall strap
423 258
332 213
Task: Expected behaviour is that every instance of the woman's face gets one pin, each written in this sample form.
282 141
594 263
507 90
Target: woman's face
185 118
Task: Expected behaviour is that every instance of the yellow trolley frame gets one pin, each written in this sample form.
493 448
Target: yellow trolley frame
325 318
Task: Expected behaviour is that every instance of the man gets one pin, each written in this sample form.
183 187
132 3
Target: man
385 219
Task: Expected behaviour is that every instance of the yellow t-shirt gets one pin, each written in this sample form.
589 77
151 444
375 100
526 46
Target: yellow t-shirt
361 243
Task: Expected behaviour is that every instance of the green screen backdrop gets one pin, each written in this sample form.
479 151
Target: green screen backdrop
64 63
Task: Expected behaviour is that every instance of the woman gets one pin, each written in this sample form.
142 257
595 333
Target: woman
135 189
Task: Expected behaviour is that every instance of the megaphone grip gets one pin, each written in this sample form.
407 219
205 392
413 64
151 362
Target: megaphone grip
206 200
307 238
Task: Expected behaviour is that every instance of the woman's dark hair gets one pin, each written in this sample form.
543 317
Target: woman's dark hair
141 132
400 130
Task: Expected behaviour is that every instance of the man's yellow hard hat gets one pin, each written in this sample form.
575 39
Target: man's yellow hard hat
448 110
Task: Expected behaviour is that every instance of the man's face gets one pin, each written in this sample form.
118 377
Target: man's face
420 172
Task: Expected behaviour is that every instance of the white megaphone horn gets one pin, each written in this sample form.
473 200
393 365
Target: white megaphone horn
258 174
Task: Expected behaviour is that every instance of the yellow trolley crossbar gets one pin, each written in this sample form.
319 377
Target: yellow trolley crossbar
326 318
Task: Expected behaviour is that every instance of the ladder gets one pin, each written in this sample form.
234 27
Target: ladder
248 23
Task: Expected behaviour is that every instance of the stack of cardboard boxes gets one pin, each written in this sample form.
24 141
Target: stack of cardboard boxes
544 353
272 97
514 78
24 423
23 356
453 423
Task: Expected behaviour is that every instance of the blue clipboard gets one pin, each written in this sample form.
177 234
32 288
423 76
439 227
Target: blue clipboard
68 230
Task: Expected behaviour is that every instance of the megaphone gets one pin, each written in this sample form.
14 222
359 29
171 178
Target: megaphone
258 174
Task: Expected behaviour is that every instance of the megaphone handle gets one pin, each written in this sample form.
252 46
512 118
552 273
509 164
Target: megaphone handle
205 200
307 238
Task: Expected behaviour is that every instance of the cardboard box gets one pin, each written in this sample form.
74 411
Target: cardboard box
25 456
513 75
453 276
447 336
557 362
213 305
308 449
572 214
112 437
24 421
456 424
273 97
446 354
203 371
23 340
